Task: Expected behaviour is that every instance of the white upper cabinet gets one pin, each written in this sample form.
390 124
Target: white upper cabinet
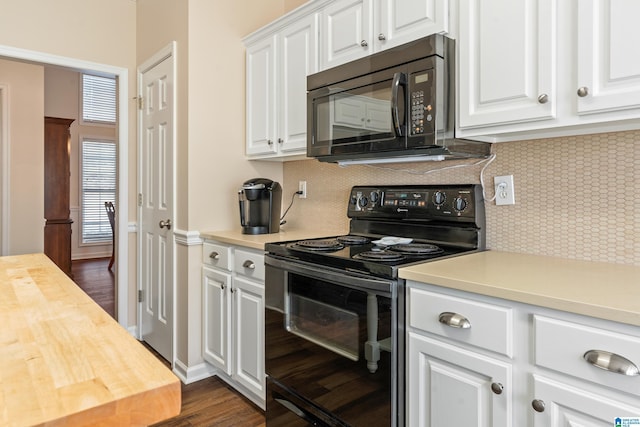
298 58
540 68
608 52
278 61
261 97
352 29
507 68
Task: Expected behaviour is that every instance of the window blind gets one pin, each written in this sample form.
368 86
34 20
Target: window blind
98 169
98 99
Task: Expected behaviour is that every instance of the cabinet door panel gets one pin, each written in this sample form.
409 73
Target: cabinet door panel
249 334
452 386
217 339
567 406
608 35
507 60
401 21
345 25
298 58
260 98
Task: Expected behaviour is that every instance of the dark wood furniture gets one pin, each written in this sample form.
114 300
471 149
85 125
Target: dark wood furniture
57 229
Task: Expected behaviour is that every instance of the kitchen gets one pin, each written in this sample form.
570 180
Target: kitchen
551 175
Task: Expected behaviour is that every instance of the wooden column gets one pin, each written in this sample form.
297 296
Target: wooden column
57 229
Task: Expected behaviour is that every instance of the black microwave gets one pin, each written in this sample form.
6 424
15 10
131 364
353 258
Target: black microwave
396 103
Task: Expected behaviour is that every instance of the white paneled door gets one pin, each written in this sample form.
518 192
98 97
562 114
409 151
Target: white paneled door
156 202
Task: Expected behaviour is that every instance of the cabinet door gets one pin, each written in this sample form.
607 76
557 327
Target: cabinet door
507 66
249 334
450 386
346 32
261 97
401 21
298 52
607 45
562 405
217 320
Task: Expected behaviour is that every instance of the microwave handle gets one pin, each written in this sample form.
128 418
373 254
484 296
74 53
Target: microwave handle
399 79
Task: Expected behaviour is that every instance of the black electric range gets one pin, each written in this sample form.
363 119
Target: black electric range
395 226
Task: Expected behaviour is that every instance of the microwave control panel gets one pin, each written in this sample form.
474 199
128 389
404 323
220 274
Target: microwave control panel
457 202
421 108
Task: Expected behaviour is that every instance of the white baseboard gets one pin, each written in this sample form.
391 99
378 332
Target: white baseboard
189 374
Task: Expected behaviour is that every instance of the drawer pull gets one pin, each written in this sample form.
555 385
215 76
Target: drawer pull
214 255
249 264
454 320
611 362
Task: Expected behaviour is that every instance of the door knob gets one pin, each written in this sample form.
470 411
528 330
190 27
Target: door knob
164 224
583 91
364 43
538 405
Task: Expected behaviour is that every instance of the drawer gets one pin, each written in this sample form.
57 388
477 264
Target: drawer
489 326
216 255
249 263
561 345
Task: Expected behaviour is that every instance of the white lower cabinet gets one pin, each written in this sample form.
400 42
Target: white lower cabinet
560 369
449 386
233 317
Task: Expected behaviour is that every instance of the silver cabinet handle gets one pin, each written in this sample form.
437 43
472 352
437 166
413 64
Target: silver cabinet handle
164 224
364 43
249 264
538 405
214 255
454 320
270 142
280 140
497 388
381 37
611 362
222 286
583 91
543 99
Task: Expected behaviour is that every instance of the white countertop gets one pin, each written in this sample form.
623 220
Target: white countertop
257 241
602 290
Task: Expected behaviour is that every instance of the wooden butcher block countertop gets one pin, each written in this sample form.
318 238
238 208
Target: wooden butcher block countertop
65 362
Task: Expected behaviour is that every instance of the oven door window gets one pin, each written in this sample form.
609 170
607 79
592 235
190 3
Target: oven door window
357 115
324 323
353 323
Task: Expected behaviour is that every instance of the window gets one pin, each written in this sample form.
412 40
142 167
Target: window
98 99
98 185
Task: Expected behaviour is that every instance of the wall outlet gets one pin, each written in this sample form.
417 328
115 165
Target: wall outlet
505 193
302 186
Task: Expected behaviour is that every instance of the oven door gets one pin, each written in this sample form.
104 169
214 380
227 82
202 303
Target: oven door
331 338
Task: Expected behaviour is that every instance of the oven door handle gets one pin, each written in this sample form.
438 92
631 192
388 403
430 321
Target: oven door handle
379 286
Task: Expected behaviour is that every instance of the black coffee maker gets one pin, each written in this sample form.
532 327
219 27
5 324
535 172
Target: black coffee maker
260 203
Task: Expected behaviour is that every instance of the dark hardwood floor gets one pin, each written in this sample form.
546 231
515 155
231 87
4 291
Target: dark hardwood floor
209 402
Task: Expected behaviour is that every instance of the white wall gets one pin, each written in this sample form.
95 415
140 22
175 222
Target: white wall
25 130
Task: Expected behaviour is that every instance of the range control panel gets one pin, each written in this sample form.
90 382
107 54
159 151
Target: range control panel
444 202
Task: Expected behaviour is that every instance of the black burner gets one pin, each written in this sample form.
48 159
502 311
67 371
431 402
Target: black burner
353 240
320 244
379 256
417 249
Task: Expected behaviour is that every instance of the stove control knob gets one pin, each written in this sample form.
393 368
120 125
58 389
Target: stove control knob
374 196
363 201
460 204
439 198
354 199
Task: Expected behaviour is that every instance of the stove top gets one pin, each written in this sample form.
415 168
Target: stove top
427 222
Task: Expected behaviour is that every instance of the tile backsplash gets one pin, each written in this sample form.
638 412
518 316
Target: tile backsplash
575 196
